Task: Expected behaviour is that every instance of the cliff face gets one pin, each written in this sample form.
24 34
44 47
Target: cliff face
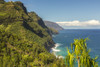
24 38
37 19
53 25
22 23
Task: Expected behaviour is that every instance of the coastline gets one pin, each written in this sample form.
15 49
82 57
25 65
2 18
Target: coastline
54 50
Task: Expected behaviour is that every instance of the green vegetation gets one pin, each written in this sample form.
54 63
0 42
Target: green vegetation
25 41
80 53
53 31
15 51
15 15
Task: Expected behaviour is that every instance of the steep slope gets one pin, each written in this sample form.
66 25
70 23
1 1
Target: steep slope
10 12
24 40
17 52
38 20
14 15
53 25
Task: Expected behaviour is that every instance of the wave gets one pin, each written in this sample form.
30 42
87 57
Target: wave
54 50
53 35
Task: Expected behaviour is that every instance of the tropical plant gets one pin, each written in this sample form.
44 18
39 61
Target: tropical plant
80 53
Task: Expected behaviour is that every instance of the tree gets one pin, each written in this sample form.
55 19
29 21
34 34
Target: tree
80 53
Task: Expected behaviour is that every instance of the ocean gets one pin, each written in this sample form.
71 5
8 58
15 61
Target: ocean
66 37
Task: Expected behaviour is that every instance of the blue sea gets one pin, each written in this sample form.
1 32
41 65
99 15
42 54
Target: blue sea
66 37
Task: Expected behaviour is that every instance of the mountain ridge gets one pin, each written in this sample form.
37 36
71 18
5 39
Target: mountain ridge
25 41
53 25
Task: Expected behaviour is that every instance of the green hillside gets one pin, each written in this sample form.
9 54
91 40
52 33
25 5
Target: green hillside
25 41
14 15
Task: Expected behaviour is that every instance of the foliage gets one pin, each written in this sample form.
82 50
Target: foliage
15 51
80 53
53 31
23 23
23 40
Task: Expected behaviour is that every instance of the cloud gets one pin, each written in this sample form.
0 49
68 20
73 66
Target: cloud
78 23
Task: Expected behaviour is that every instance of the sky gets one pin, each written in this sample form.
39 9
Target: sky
70 14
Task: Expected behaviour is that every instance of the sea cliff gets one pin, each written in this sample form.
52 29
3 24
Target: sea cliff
25 41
